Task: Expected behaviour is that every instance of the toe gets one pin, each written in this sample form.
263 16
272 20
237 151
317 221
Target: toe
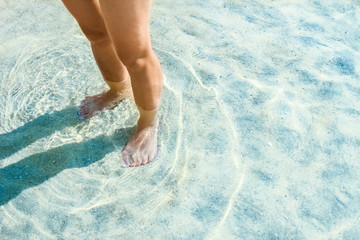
141 160
87 115
134 161
126 159
152 156
81 114
83 111
145 160
91 113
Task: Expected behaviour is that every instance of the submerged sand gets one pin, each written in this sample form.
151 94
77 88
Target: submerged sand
259 135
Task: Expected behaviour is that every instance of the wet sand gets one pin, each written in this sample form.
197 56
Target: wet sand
259 127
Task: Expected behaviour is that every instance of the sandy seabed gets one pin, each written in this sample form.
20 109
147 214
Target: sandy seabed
259 135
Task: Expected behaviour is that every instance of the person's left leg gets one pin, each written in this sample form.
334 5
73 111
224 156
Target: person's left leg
127 23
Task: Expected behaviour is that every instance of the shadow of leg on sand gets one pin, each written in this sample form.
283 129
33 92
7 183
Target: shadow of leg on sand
38 128
37 168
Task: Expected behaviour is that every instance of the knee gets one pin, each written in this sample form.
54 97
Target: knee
135 59
95 35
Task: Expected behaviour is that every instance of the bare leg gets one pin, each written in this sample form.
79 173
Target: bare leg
127 23
88 15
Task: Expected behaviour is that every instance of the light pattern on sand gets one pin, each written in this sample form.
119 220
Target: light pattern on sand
259 126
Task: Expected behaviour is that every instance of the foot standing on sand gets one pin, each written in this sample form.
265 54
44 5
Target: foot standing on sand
119 34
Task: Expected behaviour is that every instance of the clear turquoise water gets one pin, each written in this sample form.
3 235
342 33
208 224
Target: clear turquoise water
259 134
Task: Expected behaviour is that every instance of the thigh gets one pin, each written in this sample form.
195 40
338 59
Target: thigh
127 22
88 15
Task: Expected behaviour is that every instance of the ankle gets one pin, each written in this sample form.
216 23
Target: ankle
116 87
147 118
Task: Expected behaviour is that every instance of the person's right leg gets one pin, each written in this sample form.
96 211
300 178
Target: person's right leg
87 13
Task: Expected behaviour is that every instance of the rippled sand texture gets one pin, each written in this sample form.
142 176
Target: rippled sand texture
259 134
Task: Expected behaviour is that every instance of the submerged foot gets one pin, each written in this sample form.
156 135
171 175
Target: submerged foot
142 146
92 105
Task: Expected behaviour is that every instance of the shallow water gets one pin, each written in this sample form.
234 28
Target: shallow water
259 135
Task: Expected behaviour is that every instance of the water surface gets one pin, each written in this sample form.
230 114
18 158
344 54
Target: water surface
259 135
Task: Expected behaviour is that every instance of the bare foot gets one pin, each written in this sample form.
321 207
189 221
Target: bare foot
142 146
92 105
